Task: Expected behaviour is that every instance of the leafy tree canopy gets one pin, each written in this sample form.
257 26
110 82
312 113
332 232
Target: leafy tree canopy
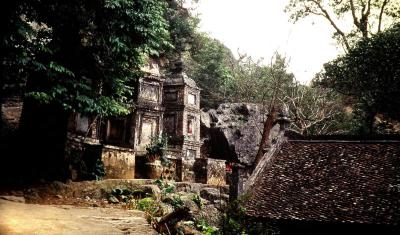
370 74
368 17
84 54
209 63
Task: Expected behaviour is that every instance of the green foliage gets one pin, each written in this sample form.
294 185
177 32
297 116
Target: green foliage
177 202
89 167
209 64
157 146
169 189
197 199
98 171
203 226
234 220
15 49
159 183
157 149
165 187
182 26
84 55
316 110
150 206
370 75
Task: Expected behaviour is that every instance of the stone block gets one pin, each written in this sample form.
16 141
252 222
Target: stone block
119 163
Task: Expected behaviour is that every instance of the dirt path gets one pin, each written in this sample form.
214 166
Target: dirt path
21 218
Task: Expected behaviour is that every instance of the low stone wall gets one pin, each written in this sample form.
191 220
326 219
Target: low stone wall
11 110
171 171
122 163
80 151
98 189
205 171
119 163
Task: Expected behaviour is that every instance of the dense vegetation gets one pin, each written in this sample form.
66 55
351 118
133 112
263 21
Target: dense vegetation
84 56
79 56
370 74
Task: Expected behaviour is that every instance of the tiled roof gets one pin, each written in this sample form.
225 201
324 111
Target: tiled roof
341 181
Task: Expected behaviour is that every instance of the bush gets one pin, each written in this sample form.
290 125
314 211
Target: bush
177 202
203 226
148 205
197 199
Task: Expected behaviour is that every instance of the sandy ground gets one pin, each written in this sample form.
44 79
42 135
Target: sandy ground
27 219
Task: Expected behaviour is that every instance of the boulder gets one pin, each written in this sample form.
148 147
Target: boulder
166 208
151 190
211 214
235 131
212 194
113 200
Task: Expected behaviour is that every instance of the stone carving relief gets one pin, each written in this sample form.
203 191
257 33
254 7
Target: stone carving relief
148 130
149 92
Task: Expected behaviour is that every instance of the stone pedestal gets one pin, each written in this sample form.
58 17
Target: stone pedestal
154 169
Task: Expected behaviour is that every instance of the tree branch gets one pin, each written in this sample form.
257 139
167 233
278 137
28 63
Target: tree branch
385 2
353 13
363 23
329 18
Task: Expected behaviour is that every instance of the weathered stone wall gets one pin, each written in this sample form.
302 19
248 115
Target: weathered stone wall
216 172
119 163
205 171
188 174
173 171
77 149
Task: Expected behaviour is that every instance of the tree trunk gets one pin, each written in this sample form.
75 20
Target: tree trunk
268 124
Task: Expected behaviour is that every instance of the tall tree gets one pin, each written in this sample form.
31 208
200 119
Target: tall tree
182 28
89 52
315 110
370 74
78 56
253 81
368 17
209 64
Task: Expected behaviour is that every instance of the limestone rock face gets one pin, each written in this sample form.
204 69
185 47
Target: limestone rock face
234 132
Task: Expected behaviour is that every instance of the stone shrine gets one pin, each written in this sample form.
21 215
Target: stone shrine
164 105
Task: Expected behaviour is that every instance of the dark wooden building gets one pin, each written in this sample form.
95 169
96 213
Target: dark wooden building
328 187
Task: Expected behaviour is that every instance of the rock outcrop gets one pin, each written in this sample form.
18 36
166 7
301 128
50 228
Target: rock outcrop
233 131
